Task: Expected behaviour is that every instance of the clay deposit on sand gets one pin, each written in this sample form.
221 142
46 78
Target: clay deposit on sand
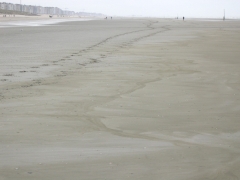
120 99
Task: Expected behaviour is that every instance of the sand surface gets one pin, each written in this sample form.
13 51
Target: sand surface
120 99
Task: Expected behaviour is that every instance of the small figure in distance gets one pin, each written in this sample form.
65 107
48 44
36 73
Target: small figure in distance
111 17
183 18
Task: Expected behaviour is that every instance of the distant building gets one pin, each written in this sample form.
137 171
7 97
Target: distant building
18 7
42 10
1 5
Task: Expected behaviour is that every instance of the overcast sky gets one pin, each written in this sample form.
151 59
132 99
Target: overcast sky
157 8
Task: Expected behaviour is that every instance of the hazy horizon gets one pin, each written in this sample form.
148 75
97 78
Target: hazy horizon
151 8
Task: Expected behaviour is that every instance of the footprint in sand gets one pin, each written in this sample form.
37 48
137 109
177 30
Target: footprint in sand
93 61
8 75
60 75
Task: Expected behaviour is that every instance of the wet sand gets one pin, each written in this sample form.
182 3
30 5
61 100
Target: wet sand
39 20
11 18
120 99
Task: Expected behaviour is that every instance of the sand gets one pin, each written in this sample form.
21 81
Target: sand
120 99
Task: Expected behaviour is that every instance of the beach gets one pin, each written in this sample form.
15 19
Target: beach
126 98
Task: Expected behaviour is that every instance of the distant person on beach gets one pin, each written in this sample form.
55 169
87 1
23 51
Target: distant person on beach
183 18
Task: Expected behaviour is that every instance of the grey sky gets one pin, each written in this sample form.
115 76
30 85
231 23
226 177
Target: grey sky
158 8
